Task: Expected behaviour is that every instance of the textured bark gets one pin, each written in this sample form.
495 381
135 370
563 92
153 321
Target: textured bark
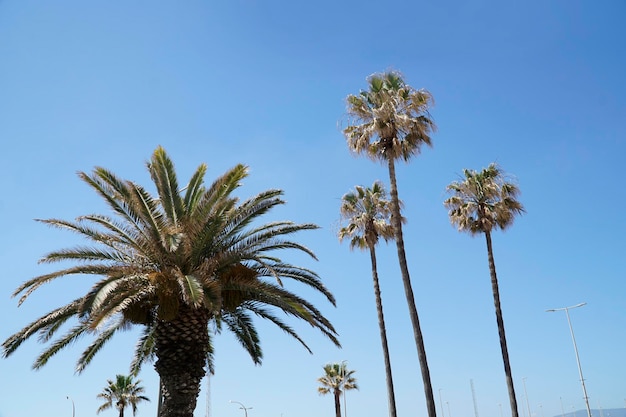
500 321
396 222
383 335
337 394
181 349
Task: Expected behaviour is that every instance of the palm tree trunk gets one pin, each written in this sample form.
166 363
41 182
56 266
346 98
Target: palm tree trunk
500 321
122 412
383 335
160 400
337 393
181 348
396 222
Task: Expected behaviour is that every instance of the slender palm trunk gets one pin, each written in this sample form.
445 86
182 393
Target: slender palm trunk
383 335
337 394
160 400
122 412
396 222
181 348
500 321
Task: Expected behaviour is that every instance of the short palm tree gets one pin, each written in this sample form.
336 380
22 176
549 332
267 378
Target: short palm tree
367 211
174 263
390 122
337 379
122 393
485 201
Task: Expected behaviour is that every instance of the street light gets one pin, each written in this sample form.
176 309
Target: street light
73 408
343 379
243 407
580 370
526 394
441 404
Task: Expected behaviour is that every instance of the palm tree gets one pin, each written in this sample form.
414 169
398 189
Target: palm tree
482 202
174 263
368 211
336 380
123 392
388 122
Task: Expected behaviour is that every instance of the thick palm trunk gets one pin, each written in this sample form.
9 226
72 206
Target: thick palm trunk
396 222
337 394
383 335
181 348
500 321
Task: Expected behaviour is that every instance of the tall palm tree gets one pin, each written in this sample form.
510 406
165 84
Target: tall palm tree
389 122
482 202
367 211
122 392
173 263
337 379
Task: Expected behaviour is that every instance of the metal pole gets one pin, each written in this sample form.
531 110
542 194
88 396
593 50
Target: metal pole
526 394
73 407
343 381
580 371
441 404
243 407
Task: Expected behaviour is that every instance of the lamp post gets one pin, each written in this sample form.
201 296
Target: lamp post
580 371
441 404
73 407
526 394
343 379
243 407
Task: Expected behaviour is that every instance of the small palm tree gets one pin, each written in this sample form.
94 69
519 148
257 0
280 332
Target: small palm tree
336 380
174 263
390 122
367 211
122 393
485 201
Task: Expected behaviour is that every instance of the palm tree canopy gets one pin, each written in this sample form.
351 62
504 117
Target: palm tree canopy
121 393
336 379
390 120
368 212
483 201
201 249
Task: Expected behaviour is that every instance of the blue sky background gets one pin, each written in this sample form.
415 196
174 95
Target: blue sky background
536 86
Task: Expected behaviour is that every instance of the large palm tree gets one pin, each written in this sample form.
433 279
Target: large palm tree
173 263
122 393
389 122
485 201
337 379
367 211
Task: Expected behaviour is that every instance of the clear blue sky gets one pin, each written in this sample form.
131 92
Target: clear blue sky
536 86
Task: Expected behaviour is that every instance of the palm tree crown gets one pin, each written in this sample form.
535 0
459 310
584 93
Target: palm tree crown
368 212
337 379
172 263
121 393
391 120
483 201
